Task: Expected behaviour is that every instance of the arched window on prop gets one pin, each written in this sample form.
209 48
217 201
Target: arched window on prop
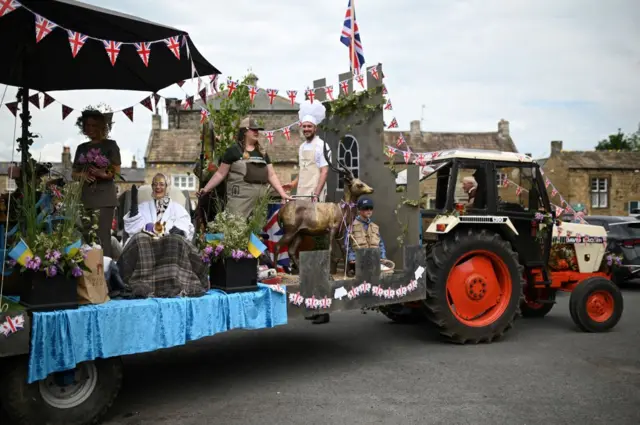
349 154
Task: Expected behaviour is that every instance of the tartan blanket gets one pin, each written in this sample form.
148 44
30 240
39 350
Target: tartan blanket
161 268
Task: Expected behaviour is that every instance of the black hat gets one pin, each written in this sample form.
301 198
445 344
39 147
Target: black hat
365 203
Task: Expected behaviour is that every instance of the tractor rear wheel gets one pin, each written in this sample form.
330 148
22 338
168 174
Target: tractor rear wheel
596 305
474 286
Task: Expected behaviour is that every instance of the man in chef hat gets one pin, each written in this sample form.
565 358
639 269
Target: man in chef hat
312 177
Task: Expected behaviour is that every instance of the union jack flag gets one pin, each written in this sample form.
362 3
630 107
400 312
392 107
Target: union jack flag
345 38
275 234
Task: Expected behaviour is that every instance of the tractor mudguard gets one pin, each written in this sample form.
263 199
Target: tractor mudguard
443 224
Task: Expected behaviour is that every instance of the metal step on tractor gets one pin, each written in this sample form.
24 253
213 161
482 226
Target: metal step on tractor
495 250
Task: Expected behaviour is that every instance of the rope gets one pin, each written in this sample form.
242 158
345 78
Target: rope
5 306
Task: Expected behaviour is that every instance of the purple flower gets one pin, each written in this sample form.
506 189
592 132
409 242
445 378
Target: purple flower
92 154
237 254
11 262
218 250
53 256
205 258
539 217
101 161
34 263
51 271
76 271
82 159
609 260
208 250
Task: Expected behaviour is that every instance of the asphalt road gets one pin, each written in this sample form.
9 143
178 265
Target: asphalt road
362 369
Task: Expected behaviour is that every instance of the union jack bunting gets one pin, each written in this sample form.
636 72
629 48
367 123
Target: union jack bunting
345 38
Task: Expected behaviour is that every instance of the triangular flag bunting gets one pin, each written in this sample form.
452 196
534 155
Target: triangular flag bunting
48 100
144 51
360 80
113 50
287 133
43 28
180 83
13 107
328 91
34 99
272 94
76 41
173 45
291 94
253 91
66 111
384 90
388 106
156 97
393 123
8 6
188 102
128 112
269 135
374 73
147 103
204 115
231 86
203 95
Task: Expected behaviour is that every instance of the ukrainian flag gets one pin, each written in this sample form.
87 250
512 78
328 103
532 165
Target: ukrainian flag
73 249
20 253
210 237
256 247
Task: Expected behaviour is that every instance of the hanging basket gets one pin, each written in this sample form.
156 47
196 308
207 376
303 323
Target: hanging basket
231 275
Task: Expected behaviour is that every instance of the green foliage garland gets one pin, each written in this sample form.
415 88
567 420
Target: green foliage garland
356 104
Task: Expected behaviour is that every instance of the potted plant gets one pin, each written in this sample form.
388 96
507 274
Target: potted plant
48 253
226 246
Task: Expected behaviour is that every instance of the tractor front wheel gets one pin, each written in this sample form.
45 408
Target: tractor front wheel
596 305
474 286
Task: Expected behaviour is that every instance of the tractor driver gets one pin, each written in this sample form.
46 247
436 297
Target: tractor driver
470 186
364 233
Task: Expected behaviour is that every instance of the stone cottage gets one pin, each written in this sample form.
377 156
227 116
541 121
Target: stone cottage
608 183
176 149
423 141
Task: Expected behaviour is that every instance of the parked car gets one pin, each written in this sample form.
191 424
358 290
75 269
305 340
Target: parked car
623 238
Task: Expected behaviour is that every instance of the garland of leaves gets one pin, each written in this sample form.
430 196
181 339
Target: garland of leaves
356 104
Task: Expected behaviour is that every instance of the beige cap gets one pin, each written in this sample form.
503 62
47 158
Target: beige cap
251 123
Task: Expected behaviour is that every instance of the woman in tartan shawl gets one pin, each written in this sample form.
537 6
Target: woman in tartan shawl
159 260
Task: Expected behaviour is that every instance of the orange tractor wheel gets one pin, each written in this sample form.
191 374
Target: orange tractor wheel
596 304
474 286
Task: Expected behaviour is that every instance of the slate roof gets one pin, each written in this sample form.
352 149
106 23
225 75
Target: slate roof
177 145
602 160
435 141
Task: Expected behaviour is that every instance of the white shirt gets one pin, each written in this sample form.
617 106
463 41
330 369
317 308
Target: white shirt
307 146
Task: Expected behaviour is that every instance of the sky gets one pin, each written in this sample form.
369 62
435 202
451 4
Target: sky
556 70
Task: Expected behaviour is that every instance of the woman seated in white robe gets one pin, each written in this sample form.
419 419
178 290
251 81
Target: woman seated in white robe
161 209
160 261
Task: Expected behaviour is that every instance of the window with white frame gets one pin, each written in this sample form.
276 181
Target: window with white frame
348 152
500 179
634 207
184 181
11 185
599 192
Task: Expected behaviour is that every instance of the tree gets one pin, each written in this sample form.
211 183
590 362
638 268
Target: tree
621 142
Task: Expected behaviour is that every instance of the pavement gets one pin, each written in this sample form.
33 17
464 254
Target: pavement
363 369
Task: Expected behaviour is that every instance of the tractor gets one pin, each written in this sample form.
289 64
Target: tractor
498 251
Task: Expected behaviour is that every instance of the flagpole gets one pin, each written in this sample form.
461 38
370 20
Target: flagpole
353 39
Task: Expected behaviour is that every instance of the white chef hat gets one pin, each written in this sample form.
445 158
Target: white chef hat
312 112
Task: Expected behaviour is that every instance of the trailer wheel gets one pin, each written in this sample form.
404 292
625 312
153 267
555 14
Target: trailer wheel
474 286
596 305
401 313
78 397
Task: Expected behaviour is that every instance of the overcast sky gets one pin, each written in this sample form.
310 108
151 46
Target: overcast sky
556 69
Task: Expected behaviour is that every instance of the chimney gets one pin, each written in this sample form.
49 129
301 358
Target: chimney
415 128
556 147
134 163
173 118
503 128
66 157
156 122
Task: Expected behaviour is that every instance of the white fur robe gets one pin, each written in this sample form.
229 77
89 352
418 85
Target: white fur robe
174 215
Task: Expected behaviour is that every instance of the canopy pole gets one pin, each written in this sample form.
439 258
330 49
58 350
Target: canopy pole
25 117
355 70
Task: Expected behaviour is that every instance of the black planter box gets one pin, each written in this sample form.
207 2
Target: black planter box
42 293
231 275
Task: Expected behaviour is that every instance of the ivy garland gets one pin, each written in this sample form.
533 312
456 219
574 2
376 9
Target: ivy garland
358 104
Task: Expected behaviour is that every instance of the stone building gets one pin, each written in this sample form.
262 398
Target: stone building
174 150
423 141
608 183
132 175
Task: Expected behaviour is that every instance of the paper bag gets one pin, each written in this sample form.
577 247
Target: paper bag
92 286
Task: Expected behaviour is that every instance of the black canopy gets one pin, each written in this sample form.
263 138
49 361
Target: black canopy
48 64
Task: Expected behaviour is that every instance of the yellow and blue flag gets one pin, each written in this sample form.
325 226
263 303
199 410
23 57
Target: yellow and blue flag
211 237
256 247
20 253
73 249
